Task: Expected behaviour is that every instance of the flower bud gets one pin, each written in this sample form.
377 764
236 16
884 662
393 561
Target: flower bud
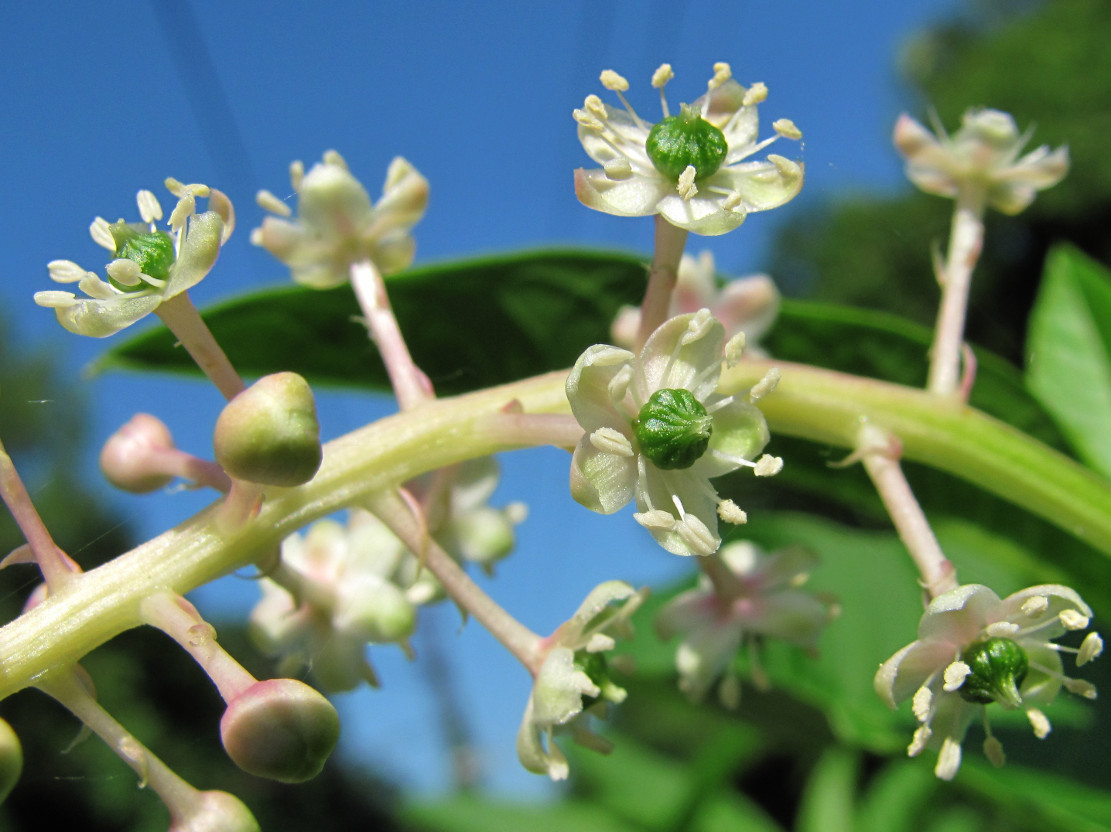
215 811
11 759
999 666
673 428
128 457
280 729
374 610
268 434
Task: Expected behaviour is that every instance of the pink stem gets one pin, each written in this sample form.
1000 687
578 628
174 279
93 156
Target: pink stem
662 278
185 322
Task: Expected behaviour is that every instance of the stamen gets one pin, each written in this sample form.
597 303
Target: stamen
922 704
768 466
1073 620
612 441
296 174
618 169
124 272
734 349
268 202
1080 687
65 271
656 520
719 404
619 385
731 202
185 208
731 513
993 750
1039 722
94 287
102 236
954 676
660 77
612 81
756 94
698 327
787 129
595 107
1090 648
918 742
332 157
1002 629
722 73
588 121
150 209
685 186
766 385
179 189
948 759
1035 605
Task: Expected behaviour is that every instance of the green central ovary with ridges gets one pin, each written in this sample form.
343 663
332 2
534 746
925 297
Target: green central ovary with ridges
999 667
673 429
687 139
152 250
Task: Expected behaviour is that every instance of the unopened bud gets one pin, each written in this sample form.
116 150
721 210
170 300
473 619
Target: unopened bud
215 811
280 729
268 434
128 458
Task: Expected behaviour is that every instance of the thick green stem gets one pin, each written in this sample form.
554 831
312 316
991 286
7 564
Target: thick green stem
811 403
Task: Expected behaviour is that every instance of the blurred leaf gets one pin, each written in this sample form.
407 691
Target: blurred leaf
827 802
897 797
1069 352
467 813
469 324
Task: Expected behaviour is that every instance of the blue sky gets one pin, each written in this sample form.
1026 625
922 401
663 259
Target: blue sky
107 98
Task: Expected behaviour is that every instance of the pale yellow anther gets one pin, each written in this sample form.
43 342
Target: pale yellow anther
296 174
185 208
102 236
734 349
588 121
730 512
179 189
618 169
731 202
954 676
1001 629
698 327
756 94
65 271
1073 620
686 187
612 81
765 385
611 441
125 272
1090 648
922 703
696 534
993 750
655 520
619 384
662 75
919 741
150 209
786 128
268 202
1035 605
786 168
722 73
332 157
1039 722
768 466
1080 687
595 106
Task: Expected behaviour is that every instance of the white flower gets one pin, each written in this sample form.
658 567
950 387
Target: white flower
690 168
757 596
981 158
574 680
332 595
747 304
974 649
151 266
337 225
656 429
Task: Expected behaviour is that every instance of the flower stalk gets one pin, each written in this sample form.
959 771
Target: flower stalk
182 319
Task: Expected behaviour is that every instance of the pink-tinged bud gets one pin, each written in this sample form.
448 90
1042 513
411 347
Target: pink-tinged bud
129 458
215 812
280 729
11 759
269 434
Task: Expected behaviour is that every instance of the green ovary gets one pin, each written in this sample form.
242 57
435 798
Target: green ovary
673 429
687 139
999 667
152 250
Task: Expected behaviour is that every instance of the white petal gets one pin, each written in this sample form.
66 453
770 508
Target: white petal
601 481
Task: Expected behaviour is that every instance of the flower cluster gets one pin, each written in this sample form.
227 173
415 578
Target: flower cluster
336 224
755 596
747 304
657 430
974 649
150 266
694 168
574 680
981 158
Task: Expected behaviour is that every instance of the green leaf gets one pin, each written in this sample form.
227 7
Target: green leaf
469 324
1069 352
467 813
827 802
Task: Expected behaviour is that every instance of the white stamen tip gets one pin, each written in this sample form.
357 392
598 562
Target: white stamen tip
768 466
125 272
730 512
766 385
612 81
99 231
787 129
734 349
332 157
618 169
662 75
1035 605
268 202
656 520
921 704
611 441
1002 629
65 271
588 121
185 208
948 759
722 73
1080 687
1039 722
919 741
698 327
955 674
296 174
1090 648
1073 620
755 94
150 209
686 187
993 750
